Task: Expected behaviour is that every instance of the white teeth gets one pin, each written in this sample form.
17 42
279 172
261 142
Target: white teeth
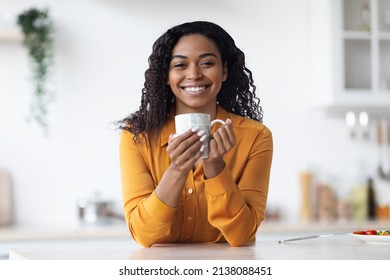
194 89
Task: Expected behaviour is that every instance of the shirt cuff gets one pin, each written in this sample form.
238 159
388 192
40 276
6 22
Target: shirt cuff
158 209
221 183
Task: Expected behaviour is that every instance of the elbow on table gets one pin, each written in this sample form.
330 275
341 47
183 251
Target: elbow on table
141 239
143 243
240 242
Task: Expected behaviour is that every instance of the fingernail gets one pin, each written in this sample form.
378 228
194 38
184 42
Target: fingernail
201 132
194 129
175 135
202 148
203 138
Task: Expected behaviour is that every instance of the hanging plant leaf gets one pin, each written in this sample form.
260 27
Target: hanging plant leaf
37 29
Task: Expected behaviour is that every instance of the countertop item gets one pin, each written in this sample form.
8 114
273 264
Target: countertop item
5 198
308 237
97 211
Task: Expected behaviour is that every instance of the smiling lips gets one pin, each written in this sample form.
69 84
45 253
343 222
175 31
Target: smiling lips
194 90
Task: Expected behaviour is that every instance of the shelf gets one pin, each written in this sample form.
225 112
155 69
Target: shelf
357 35
384 35
10 34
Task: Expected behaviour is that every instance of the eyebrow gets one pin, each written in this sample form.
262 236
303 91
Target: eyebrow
201 55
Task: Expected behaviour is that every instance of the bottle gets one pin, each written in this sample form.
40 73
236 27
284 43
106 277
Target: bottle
371 200
5 198
306 213
365 17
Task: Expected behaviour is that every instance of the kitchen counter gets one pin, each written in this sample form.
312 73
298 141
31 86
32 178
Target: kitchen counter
114 242
267 247
17 233
30 237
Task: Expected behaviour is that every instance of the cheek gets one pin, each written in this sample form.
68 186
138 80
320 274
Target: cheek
218 78
172 83
172 78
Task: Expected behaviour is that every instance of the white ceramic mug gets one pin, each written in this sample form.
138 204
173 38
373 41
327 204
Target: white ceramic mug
201 121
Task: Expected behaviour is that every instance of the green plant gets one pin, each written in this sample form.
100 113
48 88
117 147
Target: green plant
37 29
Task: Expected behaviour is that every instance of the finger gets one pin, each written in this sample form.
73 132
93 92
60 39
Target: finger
189 156
212 147
223 141
180 144
181 152
172 136
176 139
191 151
224 136
229 130
217 139
225 144
187 164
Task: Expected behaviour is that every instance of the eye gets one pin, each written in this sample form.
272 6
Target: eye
207 63
179 65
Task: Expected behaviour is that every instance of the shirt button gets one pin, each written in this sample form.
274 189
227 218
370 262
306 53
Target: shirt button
190 191
189 218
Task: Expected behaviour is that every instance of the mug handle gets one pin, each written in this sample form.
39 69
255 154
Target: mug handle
216 121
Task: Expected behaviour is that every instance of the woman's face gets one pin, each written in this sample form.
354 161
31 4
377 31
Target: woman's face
196 74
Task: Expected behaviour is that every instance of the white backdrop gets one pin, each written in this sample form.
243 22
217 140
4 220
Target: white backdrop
101 54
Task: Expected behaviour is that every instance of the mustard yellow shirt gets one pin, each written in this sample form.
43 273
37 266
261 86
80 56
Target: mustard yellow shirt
228 207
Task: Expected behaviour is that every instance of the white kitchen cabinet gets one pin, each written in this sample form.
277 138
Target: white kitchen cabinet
349 45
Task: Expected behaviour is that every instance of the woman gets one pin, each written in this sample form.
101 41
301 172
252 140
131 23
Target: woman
170 193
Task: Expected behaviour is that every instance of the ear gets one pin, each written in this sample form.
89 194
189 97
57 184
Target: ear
225 71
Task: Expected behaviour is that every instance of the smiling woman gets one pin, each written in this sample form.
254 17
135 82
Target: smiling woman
170 193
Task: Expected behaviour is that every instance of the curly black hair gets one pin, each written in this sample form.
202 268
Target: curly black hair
237 94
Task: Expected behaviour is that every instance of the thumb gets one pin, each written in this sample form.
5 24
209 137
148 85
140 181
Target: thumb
172 136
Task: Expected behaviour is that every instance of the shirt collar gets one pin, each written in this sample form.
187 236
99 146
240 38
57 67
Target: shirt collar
169 126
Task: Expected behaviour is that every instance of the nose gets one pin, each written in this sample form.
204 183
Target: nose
193 72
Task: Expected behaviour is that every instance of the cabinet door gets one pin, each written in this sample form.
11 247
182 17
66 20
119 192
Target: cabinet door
356 34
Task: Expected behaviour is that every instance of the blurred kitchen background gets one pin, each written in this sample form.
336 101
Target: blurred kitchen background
322 70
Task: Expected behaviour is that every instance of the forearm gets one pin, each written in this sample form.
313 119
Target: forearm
171 186
213 168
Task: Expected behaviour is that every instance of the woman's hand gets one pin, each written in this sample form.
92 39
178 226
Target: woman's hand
185 149
222 141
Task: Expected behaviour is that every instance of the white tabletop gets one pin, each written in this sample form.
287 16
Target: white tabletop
267 247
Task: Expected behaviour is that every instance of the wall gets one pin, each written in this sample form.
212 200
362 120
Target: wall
101 54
